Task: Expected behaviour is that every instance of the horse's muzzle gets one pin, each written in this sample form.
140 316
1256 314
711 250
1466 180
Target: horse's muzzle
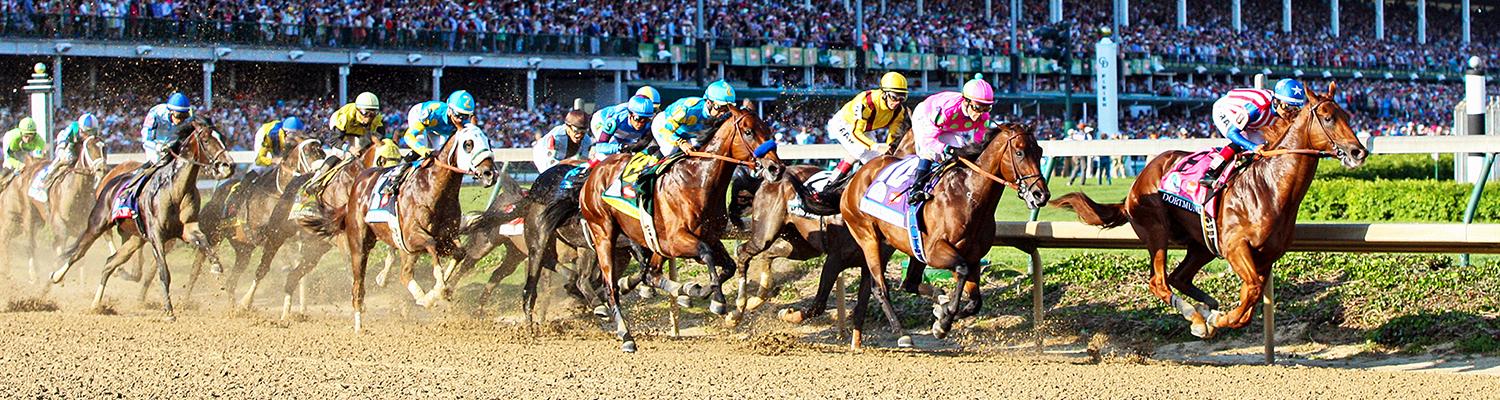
222 170
1352 157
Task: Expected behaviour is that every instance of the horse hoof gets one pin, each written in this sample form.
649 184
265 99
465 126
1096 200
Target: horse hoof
938 331
753 303
790 316
717 308
601 312
170 318
1200 330
695 290
646 292
904 342
628 346
216 268
684 301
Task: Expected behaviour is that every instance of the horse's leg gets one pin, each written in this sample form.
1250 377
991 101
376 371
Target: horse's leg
193 275
975 302
876 263
861 305
140 261
408 263
241 260
296 279
826 278
76 249
604 245
128 248
1253 277
941 254
1156 245
382 278
158 249
1181 277
543 255
267 253
508 264
720 269
440 277
359 245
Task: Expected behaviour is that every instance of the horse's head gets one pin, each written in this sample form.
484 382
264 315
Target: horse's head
745 137
205 147
306 157
92 156
1012 152
1324 126
469 151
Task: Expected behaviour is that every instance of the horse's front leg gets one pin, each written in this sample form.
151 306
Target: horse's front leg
720 269
1253 277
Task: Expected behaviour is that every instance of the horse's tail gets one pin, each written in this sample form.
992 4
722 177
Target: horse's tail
1105 215
326 223
494 217
823 203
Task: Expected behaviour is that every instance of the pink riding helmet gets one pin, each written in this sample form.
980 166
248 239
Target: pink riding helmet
979 91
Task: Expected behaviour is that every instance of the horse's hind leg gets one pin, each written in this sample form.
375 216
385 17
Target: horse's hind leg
381 279
267 254
128 248
875 262
829 274
140 261
76 249
508 264
604 245
1181 277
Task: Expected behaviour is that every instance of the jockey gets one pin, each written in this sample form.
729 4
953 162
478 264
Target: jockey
271 139
621 127
674 128
650 93
356 121
65 147
358 124
946 121
17 143
158 132
1242 113
870 110
566 141
432 121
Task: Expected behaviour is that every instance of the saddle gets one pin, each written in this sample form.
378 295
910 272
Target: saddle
1181 187
886 199
634 191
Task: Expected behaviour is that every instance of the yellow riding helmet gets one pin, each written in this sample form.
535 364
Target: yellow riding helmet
388 150
893 82
27 125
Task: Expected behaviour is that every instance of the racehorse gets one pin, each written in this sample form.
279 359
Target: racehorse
428 215
1257 212
252 211
66 205
690 219
959 219
168 206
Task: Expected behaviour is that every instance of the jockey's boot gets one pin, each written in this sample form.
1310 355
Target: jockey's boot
1221 163
406 169
919 187
840 173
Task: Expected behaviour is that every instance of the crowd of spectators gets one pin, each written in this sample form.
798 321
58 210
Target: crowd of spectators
941 26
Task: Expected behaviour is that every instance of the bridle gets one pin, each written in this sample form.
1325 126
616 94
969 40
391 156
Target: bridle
1021 184
739 136
199 149
1311 109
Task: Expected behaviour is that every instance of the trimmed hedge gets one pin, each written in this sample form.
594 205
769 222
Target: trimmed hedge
1398 200
1389 166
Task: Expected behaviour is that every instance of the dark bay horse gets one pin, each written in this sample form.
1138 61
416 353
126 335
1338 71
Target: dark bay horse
776 233
1257 212
690 218
168 205
430 215
959 220
251 212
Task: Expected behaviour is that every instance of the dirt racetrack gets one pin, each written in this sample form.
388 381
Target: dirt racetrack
206 354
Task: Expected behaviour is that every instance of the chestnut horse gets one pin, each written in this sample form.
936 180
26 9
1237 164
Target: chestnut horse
959 220
430 215
1257 212
168 206
690 218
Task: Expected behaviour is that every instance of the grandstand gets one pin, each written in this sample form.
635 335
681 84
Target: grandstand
1400 62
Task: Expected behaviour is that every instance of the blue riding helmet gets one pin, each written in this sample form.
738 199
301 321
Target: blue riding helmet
178 102
720 92
292 124
461 102
1291 92
88 122
641 107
